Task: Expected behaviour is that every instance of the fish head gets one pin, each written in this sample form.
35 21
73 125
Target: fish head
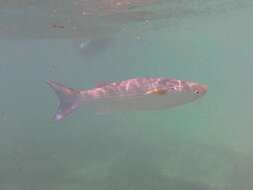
172 92
196 90
182 91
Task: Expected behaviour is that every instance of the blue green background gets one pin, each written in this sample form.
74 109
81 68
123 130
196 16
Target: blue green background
205 145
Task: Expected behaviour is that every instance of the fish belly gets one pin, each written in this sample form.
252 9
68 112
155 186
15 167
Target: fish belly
142 103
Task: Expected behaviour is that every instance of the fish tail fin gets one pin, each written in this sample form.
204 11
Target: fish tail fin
69 100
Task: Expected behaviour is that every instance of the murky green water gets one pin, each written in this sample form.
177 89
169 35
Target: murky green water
206 145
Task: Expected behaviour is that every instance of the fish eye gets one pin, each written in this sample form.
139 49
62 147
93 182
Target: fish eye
196 92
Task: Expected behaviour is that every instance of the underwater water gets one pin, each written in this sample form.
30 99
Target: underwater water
204 145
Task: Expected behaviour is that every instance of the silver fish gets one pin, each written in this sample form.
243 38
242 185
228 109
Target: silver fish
134 94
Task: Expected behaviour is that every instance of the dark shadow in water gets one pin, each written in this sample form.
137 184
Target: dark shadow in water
91 48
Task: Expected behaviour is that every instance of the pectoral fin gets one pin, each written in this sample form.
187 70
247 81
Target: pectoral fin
156 91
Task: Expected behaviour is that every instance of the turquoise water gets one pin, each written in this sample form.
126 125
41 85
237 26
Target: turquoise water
203 145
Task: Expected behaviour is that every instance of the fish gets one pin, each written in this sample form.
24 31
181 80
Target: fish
134 94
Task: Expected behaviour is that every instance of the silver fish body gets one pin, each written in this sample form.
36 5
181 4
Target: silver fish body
130 95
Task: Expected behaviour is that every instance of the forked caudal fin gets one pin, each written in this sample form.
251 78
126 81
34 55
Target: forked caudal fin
69 99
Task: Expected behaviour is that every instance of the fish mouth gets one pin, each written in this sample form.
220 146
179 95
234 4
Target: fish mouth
204 88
